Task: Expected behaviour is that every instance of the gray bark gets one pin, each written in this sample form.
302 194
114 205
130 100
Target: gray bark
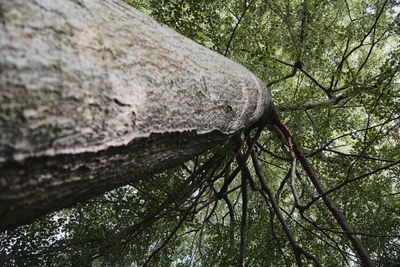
94 95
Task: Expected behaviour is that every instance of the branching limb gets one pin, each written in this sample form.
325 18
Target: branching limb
308 106
228 46
293 183
296 248
341 220
344 254
352 180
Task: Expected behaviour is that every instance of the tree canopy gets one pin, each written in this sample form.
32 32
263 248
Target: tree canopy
333 68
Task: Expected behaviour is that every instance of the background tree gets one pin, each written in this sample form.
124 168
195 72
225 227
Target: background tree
333 67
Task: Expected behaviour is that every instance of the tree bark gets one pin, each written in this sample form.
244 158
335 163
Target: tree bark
94 95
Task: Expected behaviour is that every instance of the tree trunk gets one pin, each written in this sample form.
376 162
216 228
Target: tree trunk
94 95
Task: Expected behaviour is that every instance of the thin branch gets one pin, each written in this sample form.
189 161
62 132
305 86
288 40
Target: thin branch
173 232
308 106
296 248
293 184
357 244
352 180
186 168
235 28
345 56
271 222
271 153
341 220
243 225
344 253
300 67
230 208
348 10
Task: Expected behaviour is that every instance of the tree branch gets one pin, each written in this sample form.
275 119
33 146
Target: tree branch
243 225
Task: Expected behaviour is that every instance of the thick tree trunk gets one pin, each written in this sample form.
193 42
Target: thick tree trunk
94 95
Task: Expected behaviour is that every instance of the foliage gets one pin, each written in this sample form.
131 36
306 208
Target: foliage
333 67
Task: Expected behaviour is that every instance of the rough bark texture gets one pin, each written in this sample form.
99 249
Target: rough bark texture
94 95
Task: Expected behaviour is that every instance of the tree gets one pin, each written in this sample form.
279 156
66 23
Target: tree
333 68
89 105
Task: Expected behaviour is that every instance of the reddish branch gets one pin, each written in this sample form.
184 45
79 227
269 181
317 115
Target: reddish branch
341 220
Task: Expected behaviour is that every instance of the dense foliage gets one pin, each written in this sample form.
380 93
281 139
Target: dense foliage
333 67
